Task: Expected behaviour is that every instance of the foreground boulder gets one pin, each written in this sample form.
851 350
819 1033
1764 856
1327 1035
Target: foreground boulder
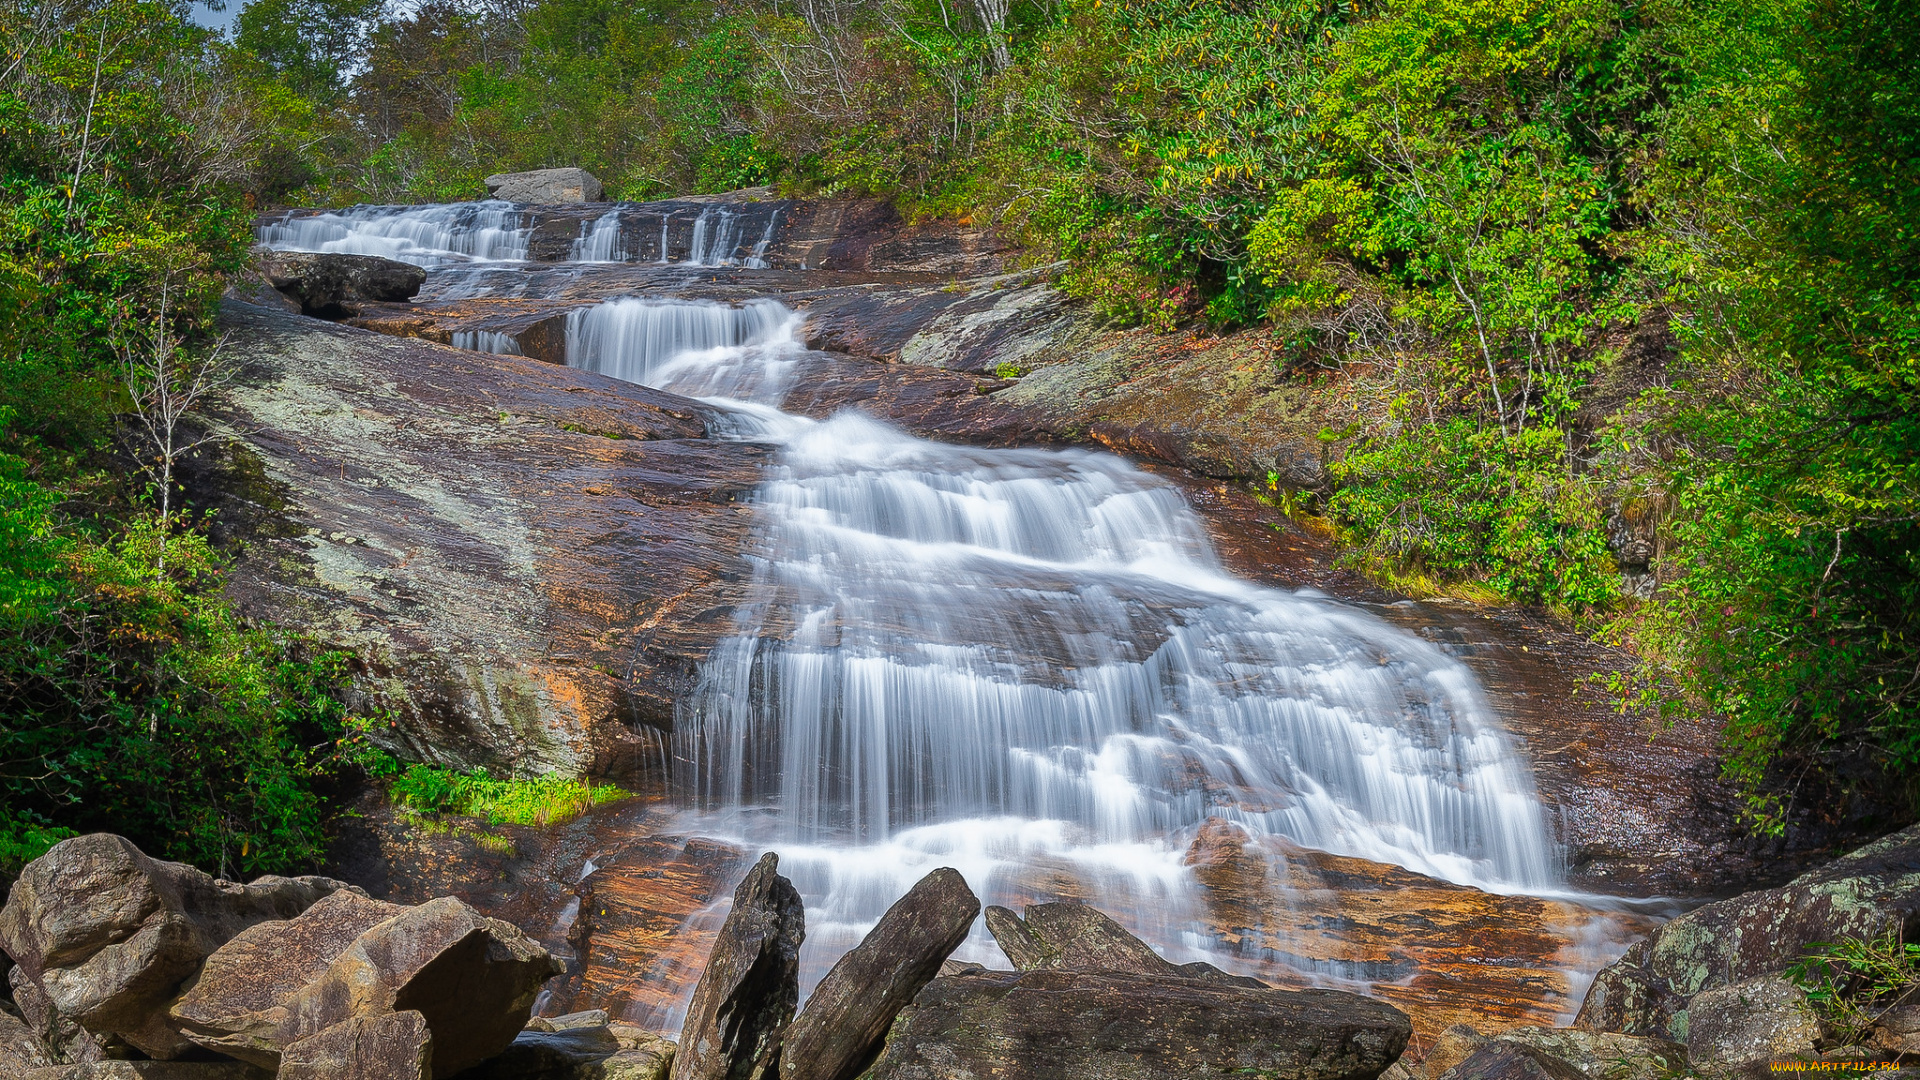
1086 1025
1650 990
104 935
471 979
238 1004
846 1019
747 993
331 285
546 186
580 1051
390 1046
1461 1053
1760 1020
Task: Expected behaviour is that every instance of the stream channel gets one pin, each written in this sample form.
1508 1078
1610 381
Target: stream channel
1028 664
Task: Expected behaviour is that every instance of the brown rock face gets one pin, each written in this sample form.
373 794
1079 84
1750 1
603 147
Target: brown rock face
473 979
391 1046
1067 1025
237 1004
108 934
746 995
1648 991
847 1017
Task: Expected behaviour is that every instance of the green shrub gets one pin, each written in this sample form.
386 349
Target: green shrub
541 800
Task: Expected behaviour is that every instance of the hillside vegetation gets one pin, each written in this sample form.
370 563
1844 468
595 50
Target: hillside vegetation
1577 276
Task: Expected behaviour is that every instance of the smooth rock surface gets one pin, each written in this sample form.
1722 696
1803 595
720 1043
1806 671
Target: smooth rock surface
389 1046
1068 1025
1764 1019
108 934
473 979
1861 895
332 285
546 186
746 995
847 1016
236 1005
528 562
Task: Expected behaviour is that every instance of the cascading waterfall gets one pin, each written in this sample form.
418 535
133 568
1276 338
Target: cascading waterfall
716 236
487 341
423 235
1031 666
757 258
600 240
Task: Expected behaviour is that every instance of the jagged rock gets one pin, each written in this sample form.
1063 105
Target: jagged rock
20 1048
644 1055
390 1046
1600 1056
1075 937
1757 1020
1861 895
1085 1025
847 1016
332 285
1500 1060
959 967
473 979
237 1004
747 993
108 934
546 186
65 1041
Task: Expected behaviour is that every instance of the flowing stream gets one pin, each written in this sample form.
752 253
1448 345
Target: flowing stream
1026 664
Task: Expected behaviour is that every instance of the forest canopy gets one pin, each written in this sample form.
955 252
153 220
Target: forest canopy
1575 275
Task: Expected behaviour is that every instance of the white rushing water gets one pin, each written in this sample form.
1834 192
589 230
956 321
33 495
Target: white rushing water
431 235
1031 666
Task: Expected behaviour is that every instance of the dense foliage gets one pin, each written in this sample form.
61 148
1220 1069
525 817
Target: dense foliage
1564 274
132 698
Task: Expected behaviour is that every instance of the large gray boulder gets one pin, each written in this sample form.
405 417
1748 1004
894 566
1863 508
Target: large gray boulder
1090 1025
1649 990
331 285
1500 1060
747 993
846 1019
546 186
148 1070
105 935
1594 1055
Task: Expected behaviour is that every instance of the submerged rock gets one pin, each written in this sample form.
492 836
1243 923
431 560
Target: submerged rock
106 935
1650 990
332 285
847 1017
546 186
746 995
1083 1025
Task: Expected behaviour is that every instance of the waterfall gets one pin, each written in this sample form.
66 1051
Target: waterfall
429 235
1031 666
487 341
716 237
600 241
757 258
